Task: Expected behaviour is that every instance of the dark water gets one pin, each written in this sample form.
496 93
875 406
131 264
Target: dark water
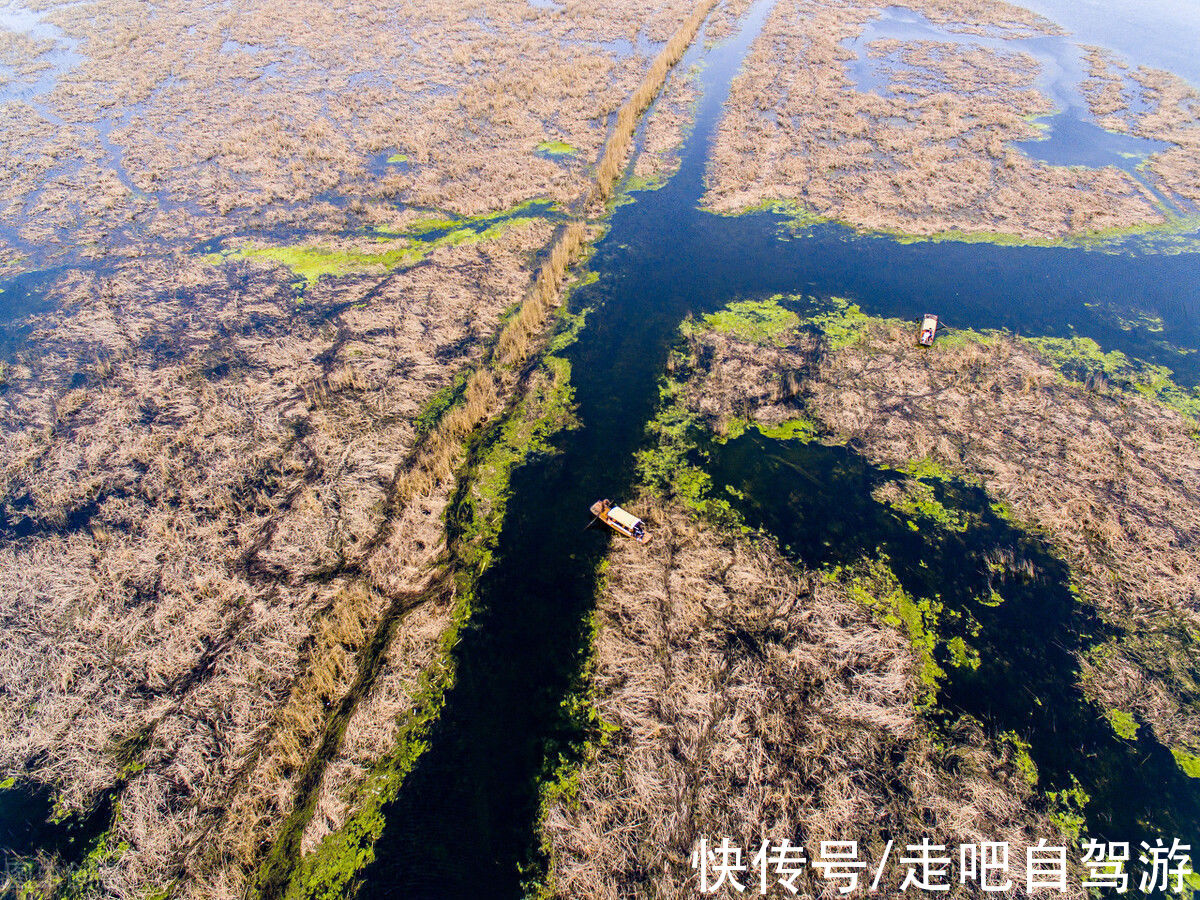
818 501
26 826
463 825
1074 141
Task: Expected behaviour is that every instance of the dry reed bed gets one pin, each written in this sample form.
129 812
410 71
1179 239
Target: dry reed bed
371 730
937 156
754 702
184 514
1112 477
248 115
206 524
620 142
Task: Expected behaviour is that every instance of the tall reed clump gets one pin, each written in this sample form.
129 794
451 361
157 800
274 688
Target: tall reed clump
612 163
513 345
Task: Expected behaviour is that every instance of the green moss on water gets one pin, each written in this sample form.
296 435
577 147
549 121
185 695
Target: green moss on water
1189 763
843 324
329 870
792 430
920 503
636 183
1122 723
398 158
1066 808
759 321
310 262
1019 749
557 148
560 780
1080 358
548 410
438 405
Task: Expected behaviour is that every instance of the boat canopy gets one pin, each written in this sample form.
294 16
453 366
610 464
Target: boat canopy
623 518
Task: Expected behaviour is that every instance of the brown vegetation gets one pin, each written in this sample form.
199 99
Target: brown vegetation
177 122
620 142
201 537
754 702
1110 476
215 499
935 154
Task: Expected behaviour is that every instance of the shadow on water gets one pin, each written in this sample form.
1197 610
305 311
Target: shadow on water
1002 593
463 824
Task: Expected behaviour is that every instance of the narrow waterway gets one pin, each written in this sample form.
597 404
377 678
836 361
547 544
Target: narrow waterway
463 825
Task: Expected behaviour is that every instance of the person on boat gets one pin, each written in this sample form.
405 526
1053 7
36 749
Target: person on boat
639 530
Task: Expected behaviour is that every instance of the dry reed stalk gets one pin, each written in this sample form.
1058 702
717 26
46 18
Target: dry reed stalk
612 163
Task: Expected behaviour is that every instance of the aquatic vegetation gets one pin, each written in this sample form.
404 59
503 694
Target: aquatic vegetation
949 550
930 152
791 430
1188 762
1081 359
557 148
761 321
312 262
760 738
1124 724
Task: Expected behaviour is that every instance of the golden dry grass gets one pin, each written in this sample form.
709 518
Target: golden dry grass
935 153
754 702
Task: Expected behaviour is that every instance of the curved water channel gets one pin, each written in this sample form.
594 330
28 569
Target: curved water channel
464 823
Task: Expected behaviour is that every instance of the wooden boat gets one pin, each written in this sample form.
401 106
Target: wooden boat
928 329
620 521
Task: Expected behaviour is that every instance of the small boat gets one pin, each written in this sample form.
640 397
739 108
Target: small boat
928 329
620 521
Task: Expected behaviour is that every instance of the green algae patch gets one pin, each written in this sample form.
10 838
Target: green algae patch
842 324
643 183
1019 752
329 871
557 148
1123 723
1082 359
873 584
398 158
1189 763
803 430
548 410
758 321
919 502
386 250
1177 234
310 263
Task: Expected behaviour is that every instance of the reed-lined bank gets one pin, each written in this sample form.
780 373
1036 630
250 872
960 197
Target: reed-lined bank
620 142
